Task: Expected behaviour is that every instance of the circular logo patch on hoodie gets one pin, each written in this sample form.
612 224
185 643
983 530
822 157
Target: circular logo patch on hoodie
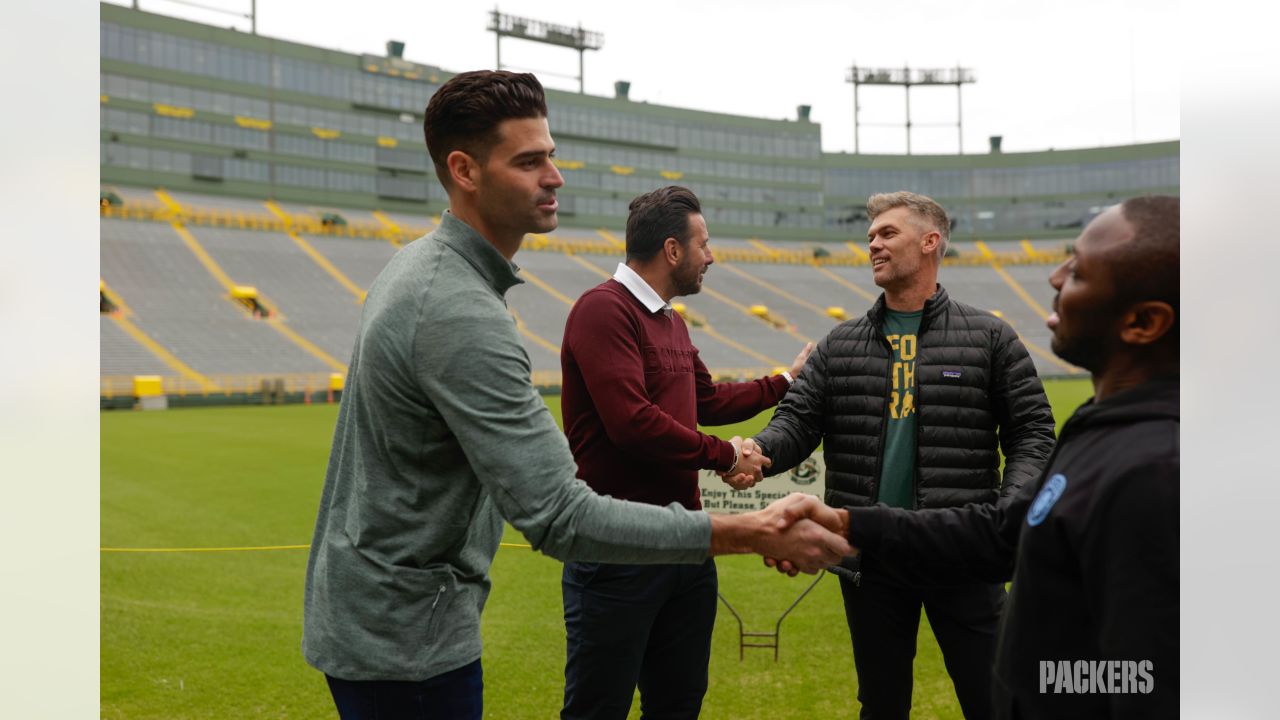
1044 501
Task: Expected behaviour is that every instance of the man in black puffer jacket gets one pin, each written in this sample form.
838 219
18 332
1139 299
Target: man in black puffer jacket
911 401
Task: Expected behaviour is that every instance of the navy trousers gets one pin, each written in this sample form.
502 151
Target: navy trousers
628 626
455 695
884 618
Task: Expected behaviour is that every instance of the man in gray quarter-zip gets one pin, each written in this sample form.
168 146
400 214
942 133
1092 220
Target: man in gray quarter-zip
441 436
912 401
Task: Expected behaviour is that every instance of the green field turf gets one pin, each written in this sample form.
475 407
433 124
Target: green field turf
216 634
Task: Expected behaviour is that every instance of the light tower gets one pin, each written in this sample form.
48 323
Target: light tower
503 25
906 77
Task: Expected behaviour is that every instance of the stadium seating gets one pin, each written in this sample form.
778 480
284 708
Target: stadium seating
312 301
173 266
179 305
120 354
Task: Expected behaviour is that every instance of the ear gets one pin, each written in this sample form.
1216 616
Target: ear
1146 322
463 170
929 243
672 250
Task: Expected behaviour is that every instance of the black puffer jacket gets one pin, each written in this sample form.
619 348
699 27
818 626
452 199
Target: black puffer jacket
975 382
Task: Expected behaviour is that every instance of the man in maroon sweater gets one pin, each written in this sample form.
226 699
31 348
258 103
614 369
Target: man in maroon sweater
634 391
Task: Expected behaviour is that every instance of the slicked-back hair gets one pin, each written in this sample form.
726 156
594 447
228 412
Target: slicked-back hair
465 112
656 216
925 209
1146 267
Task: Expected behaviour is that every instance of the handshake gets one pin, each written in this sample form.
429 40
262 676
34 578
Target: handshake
795 534
750 467
751 464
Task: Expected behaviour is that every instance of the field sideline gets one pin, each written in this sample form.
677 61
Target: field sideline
216 634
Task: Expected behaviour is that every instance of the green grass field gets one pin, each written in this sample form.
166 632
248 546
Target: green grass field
216 634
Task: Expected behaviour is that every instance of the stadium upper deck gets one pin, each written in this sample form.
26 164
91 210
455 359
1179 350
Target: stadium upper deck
200 108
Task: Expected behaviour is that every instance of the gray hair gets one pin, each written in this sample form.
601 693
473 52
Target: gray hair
924 208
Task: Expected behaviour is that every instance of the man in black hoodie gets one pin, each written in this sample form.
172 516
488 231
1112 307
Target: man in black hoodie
1091 626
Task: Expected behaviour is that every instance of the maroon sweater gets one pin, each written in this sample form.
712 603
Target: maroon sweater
634 392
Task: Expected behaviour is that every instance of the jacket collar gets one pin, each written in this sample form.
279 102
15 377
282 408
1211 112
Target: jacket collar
497 271
1155 398
933 307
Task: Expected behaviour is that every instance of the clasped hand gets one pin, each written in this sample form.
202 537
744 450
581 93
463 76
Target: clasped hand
751 462
809 536
751 465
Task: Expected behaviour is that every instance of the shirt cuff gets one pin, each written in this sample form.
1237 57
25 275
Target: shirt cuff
787 374
727 455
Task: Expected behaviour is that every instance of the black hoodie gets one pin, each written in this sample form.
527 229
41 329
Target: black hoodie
1092 547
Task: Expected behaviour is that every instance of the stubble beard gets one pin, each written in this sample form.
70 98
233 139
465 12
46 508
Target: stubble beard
689 284
544 223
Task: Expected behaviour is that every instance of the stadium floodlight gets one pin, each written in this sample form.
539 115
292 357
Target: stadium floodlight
252 15
503 25
905 77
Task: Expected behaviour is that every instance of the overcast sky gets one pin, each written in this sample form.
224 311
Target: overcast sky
1050 74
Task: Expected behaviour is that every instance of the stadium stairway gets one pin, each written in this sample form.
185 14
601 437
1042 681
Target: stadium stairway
271 317
359 260
544 355
186 310
1007 296
126 350
820 289
810 319
316 274
735 339
543 301
323 310
734 294
122 352
612 239
726 355
291 227
859 251
1030 322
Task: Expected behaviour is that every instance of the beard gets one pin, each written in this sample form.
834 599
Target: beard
687 279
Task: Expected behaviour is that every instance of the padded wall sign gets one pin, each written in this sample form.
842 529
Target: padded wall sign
807 477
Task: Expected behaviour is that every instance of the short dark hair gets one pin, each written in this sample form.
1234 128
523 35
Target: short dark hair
1147 266
465 112
656 216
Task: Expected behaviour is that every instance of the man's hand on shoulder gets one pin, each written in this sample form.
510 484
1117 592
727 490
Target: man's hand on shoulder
798 364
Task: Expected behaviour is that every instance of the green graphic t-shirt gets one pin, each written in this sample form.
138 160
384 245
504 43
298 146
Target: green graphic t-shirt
899 464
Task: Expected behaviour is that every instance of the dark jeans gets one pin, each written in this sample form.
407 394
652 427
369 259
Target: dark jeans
455 695
884 618
645 625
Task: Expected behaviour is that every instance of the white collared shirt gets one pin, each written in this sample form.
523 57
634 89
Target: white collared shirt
647 296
